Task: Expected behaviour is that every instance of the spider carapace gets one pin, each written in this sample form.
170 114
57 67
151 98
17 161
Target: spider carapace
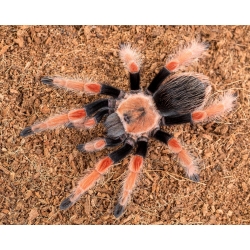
131 118
138 114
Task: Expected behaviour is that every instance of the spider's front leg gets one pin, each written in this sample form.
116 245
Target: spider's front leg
73 118
132 61
87 87
185 159
101 167
183 57
135 167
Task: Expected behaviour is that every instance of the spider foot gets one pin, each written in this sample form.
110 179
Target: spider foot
66 203
70 125
118 211
195 177
26 132
47 80
80 147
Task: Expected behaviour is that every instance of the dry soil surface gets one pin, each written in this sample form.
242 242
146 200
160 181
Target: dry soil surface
38 172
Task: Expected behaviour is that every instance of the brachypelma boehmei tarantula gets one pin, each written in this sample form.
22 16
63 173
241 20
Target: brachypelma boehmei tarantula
135 116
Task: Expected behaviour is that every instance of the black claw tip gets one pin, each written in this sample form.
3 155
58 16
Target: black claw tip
70 125
47 80
207 44
27 131
195 177
80 147
66 203
118 211
235 94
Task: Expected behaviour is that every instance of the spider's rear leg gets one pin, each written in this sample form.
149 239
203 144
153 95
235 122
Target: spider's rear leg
101 168
177 119
135 167
76 116
185 159
183 57
218 108
86 87
132 61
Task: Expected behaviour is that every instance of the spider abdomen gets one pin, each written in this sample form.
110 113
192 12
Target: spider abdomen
181 94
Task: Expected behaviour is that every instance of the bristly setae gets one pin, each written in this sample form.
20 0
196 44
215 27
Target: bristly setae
131 118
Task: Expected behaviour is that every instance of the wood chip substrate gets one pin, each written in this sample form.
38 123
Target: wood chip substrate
39 171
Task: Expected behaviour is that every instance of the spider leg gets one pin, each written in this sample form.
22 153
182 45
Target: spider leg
178 119
185 159
101 167
82 86
135 167
132 61
218 108
99 144
76 116
157 80
185 56
89 123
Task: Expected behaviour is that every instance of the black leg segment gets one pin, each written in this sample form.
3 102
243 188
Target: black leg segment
134 81
134 169
113 142
162 136
142 147
121 153
91 108
100 114
158 79
174 120
111 91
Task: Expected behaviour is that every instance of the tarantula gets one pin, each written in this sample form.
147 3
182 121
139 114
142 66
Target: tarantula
131 118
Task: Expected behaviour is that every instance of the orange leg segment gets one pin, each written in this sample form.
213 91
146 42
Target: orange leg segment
101 167
216 109
92 146
99 144
82 86
185 159
186 56
90 179
76 115
131 58
135 167
75 118
89 123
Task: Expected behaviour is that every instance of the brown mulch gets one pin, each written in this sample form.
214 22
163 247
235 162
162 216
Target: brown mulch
37 172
